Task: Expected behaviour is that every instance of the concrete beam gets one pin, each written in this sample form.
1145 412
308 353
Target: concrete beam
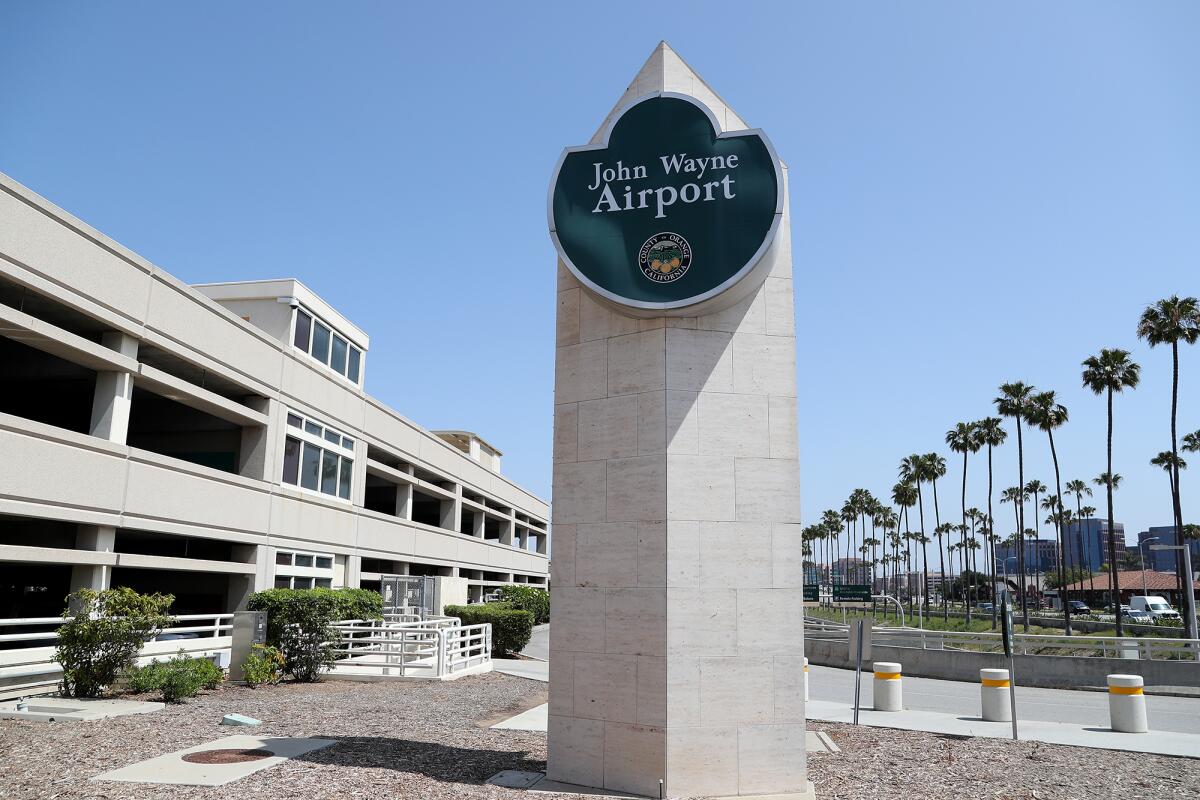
193 396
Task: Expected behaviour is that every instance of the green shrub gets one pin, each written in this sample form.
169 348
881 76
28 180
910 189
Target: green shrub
528 598
176 679
263 665
511 628
299 623
103 634
282 606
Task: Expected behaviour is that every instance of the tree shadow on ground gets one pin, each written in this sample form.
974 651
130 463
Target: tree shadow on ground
437 761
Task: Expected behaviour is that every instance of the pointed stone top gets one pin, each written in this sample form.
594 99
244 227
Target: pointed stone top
666 71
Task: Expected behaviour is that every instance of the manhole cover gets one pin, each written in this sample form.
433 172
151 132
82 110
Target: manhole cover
234 756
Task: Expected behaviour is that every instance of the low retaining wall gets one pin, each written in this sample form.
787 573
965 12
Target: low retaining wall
1050 672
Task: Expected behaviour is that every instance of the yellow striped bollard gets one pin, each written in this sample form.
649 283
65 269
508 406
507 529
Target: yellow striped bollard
888 696
994 688
1127 704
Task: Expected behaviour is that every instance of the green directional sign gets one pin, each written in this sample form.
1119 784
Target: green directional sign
668 211
852 592
810 594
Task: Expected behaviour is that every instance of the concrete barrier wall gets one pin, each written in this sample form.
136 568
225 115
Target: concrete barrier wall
1051 672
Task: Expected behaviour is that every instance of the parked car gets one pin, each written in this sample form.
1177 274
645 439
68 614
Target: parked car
1136 616
1155 606
1080 607
984 606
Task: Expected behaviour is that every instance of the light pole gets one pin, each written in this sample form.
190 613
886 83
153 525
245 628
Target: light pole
1143 560
1004 570
1189 594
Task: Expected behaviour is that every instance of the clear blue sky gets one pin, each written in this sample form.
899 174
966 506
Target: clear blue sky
980 193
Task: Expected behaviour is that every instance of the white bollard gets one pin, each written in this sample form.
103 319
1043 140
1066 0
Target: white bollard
1127 704
888 695
994 687
806 679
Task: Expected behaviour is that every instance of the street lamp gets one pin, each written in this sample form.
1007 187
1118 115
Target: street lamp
1143 559
1004 571
1190 592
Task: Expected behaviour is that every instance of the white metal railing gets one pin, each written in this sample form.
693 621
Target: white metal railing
434 647
215 625
1146 647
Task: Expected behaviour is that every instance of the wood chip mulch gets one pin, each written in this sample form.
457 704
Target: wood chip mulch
430 741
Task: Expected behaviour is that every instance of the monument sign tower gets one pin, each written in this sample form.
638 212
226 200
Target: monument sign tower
676 643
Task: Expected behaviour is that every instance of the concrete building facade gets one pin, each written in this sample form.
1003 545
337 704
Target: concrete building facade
1165 560
215 440
1087 543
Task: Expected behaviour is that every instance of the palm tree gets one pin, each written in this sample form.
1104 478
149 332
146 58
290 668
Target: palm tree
965 438
1016 496
913 470
935 467
1049 414
1013 401
1112 371
1191 442
1172 321
1088 512
1078 488
1035 488
992 433
904 495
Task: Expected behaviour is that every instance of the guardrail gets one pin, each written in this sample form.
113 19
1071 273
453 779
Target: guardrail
435 647
27 664
1031 644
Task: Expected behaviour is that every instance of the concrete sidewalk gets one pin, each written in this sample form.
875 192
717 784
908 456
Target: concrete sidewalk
533 670
1161 742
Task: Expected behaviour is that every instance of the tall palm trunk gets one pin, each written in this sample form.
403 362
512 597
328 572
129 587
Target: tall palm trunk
1021 527
937 522
924 552
1062 577
989 532
963 496
1185 583
1114 582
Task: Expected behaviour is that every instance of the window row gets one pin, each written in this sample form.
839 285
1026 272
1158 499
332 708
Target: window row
315 457
322 343
306 560
300 582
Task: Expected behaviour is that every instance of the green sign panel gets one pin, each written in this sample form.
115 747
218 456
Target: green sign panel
667 212
810 594
854 592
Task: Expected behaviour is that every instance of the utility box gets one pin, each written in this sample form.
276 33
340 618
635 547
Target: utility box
249 629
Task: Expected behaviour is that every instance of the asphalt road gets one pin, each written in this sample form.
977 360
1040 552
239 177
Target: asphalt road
539 643
1049 705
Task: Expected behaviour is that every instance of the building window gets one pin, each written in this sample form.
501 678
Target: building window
327 346
295 570
317 457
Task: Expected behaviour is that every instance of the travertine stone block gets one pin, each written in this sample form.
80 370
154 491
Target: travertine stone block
635 362
736 554
576 498
699 360
608 428
768 489
703 761
575 749
764 364
701 487
634 756
605 687
652 554
584 371
566 432
732 424
652 690
634 621
606 554
782 413
771 759
736 691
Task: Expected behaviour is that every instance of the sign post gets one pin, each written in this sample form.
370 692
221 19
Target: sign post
860 648
1007 633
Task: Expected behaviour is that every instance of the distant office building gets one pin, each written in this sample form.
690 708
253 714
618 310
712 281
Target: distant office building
1041 555
1087 543
1164 560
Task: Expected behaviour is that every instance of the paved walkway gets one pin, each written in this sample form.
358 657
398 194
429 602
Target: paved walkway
1045 705
539 644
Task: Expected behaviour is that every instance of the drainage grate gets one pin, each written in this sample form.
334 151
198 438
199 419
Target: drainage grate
226 756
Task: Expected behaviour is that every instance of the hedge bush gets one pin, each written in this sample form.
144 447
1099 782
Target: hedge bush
511 627
176 679
528 598
263 665
104 633
283 606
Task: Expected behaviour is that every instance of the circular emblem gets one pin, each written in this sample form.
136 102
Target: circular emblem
665 257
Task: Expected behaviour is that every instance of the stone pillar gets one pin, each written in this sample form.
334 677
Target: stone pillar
451 509
256 453
508 528
353 577
479 519
114 392
97 539
676 647
404 499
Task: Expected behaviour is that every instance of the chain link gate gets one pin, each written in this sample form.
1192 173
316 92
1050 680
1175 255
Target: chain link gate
406 595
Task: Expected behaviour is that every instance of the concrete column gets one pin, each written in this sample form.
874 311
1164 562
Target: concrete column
114 392
994 687
508 529
240 587
523 538
97 539
887 694
257 457
452 509
479 519
353 572
404 499
1127 704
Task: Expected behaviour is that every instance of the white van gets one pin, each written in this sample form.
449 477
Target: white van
1155 606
